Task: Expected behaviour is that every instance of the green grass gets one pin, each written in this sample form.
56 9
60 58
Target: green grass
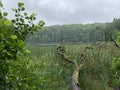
53 71
94 74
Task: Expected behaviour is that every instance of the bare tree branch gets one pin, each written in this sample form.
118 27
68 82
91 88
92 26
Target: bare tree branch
74 78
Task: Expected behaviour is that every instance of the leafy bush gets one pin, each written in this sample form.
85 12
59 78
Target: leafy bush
17 72
115 67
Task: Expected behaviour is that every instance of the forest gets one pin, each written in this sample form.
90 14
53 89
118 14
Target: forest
76 33
59 57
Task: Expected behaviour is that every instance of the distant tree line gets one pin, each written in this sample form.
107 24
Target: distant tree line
77 33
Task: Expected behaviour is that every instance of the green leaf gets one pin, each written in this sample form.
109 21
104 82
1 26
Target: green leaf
13 21
34 18
13 36
25 14
7 22
22 9
5 13
1 22
27 51
21 43
16 15
1 5
22 20
1 47
20 4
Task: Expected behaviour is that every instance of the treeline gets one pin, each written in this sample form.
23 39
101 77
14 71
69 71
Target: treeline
77 33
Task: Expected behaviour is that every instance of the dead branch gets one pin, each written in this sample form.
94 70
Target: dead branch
74 79
111 39
64 58
115 43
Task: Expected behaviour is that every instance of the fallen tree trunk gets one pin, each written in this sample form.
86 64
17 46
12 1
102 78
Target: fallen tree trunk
74 78
117 88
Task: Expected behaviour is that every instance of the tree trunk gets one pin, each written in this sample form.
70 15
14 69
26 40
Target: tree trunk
117 88
74 79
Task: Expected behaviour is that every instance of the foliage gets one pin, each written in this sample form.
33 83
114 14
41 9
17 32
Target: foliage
115 67
115 63
17 72
94 75
75 33
55 72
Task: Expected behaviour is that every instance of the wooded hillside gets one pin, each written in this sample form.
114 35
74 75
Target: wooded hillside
75 33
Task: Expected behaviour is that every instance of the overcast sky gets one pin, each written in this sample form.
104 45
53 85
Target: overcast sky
69 11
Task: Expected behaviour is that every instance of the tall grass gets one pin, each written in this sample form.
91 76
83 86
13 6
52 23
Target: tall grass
94 75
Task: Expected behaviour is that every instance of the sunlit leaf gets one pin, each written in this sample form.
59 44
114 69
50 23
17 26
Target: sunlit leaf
7 22
21 43
27 51
14 37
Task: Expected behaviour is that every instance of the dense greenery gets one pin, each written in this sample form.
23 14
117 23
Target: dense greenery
42 69
96 73
76 33
101 64
17 71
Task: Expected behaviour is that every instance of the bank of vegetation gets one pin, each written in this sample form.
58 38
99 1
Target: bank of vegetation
93 64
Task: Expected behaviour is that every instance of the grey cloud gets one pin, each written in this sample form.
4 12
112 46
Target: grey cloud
71 11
